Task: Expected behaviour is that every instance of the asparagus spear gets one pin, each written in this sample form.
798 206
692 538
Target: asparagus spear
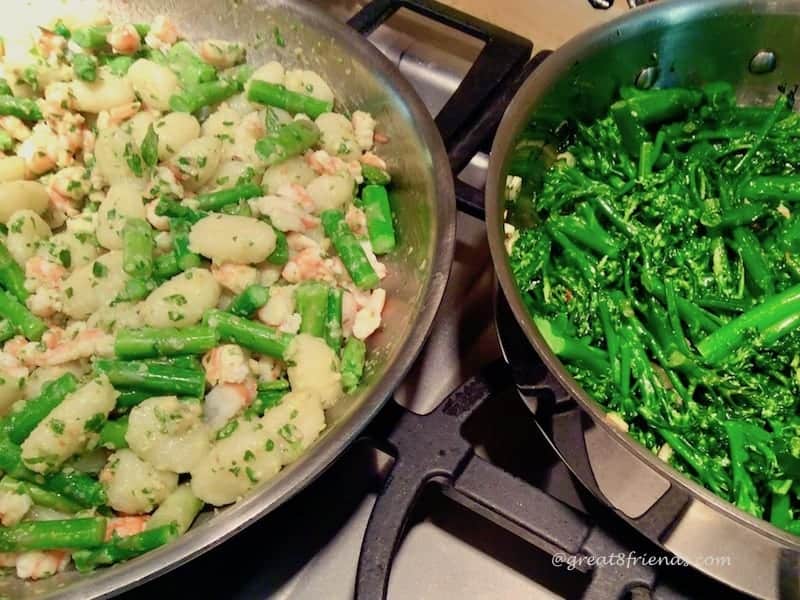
291 139
333 319
53 535
151 342
276 95
255 336
153 377
23 320
249 301
311 298
124 548
137 248
353 356
349 249
19 425
12 277
379 219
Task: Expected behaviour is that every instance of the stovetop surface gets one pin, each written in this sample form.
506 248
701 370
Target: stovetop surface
308 548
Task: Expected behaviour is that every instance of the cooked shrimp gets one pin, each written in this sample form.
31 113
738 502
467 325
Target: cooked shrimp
226 364
124 39
40 150
164 182
15 128
69 129
9 363
45 302
364 128
58 98
61 202
265 368
8 559
356 220
368 158
368 319
125 526
118 114
157 221
221 54
226 400
163 33
280 306
87 343
306 265
50 44
234 277
13 507
72 183
380 138
289 209
44 271
349 310
254 125
38 565
379 267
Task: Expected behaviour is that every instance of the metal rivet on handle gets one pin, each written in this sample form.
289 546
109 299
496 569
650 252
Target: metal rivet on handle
764 61
602 4
646 78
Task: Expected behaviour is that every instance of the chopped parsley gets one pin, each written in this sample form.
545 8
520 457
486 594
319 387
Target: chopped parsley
95 423
279 41
99 269
57 425
227 430
178 299
65 257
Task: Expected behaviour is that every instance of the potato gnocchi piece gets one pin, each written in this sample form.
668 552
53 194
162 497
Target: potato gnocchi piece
124 201
111 150
12 168
331 191
175 130
66 430
309 83
21 195
70 250
294 170
105 93
168 433
314 367
36 380
26 229
153 83
10 390
121 315
230 238
237 463
94 286
337 136
134 486
181 301
297 422
197 161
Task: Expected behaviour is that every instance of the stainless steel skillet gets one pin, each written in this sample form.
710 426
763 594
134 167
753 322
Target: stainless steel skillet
751 44
423 203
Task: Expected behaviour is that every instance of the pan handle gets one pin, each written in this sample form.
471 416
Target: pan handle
430 450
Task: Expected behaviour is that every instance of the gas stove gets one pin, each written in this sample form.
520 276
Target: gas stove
486 506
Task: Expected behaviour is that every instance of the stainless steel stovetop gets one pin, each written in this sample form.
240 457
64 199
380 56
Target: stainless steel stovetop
308 549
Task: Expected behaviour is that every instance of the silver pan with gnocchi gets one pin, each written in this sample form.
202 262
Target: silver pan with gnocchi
191 263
